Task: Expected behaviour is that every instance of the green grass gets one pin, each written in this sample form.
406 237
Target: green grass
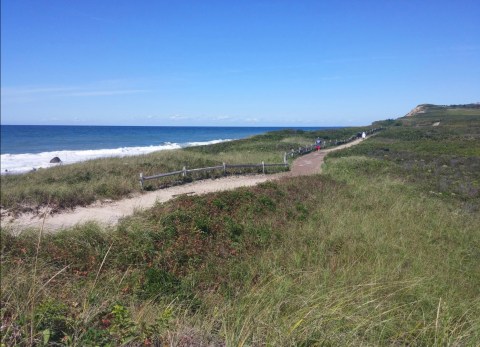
364 254
443 160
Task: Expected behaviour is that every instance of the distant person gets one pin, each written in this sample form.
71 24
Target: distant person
364 135
318 144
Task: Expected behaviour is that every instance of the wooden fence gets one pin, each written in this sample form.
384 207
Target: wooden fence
293 153
224 167
329 143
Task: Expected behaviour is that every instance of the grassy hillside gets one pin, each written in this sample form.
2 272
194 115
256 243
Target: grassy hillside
438 150
376 251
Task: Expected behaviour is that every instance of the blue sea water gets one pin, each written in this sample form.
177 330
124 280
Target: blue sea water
28 147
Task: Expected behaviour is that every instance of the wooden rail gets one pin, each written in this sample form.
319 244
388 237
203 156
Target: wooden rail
223 167
263 165
329 143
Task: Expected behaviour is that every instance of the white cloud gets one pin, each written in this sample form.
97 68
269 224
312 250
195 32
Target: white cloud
177 117
106 92
223 118
28 93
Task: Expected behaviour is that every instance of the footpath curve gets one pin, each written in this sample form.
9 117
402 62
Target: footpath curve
110 212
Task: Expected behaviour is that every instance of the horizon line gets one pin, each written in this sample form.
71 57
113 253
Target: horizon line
191 126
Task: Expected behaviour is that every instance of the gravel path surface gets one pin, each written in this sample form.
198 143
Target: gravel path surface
109 212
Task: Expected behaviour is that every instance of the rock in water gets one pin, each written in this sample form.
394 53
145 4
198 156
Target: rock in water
55 160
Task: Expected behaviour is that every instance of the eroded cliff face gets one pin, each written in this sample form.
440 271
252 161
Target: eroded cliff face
424 108
417 110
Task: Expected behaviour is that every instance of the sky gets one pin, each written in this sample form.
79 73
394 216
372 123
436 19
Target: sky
234 63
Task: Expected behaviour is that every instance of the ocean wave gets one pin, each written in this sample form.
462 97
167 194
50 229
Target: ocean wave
26 162
191 144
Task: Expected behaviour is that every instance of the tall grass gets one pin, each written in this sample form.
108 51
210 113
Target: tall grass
367 268
302 261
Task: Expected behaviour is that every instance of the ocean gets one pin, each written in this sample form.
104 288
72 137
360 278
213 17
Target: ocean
28 147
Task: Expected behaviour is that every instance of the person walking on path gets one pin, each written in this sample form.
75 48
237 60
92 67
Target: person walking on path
364 135
318 144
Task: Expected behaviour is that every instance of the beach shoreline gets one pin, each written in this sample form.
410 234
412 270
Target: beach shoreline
29 148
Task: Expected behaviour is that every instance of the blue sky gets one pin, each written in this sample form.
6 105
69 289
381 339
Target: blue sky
234 63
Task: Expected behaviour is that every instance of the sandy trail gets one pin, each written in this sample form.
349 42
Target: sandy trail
110 212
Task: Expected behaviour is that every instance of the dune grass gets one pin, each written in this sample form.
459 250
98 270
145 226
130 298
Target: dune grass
306 261
363 254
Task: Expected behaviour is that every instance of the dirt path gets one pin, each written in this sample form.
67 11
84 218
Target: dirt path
109 212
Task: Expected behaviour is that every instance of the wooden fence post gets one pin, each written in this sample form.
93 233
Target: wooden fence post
224 169
184 173
263 167
141 179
